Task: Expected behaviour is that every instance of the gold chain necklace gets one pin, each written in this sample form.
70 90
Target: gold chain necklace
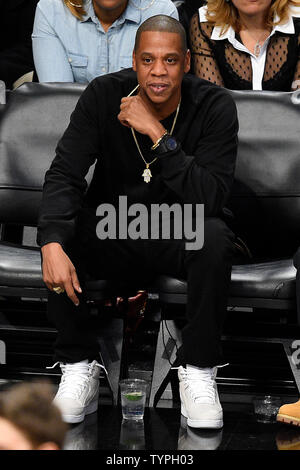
147 175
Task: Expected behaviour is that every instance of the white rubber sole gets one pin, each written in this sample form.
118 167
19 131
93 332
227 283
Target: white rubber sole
202 423
288 419
73 419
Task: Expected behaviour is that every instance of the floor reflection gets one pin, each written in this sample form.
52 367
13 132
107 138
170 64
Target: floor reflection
83 436
132 435
164 429
288 438
198 439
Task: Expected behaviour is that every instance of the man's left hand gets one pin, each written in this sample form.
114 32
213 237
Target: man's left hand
135 113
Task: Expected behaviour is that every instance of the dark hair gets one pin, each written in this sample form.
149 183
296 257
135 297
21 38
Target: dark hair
29 407
162 23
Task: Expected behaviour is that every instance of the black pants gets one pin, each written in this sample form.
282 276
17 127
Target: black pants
207 272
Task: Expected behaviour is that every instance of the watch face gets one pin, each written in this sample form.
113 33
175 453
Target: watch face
171 143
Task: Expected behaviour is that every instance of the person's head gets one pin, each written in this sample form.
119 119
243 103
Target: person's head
161 59
77 7
29 420
227 13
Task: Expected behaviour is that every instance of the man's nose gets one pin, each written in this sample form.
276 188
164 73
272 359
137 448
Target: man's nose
159 68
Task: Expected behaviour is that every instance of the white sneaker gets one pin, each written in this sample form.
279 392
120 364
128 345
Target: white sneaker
200 402
78 390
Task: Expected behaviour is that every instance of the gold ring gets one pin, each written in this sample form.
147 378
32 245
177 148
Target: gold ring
58 290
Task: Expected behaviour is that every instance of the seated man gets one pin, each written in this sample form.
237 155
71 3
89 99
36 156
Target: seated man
124 121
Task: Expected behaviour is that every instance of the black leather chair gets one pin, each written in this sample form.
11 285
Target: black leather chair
31 124
266 206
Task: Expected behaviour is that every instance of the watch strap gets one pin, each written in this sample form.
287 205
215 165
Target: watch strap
167 143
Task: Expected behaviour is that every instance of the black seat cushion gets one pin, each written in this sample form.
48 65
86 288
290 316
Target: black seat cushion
269 280
20 266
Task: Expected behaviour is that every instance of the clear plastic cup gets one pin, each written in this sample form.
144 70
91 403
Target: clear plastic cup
133 398
266 408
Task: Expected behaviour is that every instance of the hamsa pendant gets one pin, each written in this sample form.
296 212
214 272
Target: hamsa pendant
147 175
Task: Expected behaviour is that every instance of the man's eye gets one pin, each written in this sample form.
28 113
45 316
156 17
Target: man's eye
171 60
147 60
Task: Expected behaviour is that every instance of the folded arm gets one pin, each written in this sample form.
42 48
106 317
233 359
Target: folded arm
50 57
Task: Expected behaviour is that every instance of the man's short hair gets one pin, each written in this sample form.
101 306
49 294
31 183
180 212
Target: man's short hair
29 407
164 24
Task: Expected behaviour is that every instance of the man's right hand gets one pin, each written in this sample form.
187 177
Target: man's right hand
59 271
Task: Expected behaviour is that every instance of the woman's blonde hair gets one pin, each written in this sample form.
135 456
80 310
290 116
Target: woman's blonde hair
225 14
76 7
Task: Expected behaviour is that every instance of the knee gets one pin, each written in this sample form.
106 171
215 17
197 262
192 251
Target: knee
218 241
217 236
297 259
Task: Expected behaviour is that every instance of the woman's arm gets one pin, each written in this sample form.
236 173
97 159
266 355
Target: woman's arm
203 61
50 57
296 80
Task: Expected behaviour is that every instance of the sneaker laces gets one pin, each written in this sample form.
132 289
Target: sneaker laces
75 378
200 384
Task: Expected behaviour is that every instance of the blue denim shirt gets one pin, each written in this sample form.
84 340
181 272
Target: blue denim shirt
66 49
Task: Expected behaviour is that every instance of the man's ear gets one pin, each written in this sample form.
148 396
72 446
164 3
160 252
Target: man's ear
187 61
133 61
